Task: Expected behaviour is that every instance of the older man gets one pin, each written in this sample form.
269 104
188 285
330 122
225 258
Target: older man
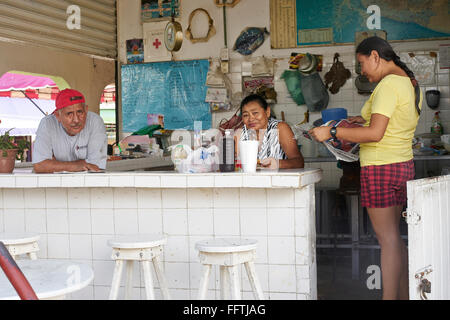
71 138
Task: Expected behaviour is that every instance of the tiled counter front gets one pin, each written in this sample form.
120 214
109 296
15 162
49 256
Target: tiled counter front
76 214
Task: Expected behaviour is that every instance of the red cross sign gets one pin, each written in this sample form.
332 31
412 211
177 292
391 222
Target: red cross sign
157 43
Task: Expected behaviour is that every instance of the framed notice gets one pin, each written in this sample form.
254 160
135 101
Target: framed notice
155 10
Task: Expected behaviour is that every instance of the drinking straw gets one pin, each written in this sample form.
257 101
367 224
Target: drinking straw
246 132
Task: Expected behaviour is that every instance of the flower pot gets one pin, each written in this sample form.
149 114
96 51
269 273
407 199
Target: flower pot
7 162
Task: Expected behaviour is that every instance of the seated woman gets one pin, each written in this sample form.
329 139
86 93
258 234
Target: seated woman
278 146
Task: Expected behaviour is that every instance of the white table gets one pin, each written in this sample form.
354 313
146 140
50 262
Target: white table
50 279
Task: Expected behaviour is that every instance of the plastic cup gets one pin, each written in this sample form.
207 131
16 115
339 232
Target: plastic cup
248 152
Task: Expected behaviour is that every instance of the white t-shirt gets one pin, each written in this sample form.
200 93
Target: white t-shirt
90 144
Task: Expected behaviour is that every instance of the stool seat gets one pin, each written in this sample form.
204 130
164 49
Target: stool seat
137 241
143 249
18 238
226 245
21 243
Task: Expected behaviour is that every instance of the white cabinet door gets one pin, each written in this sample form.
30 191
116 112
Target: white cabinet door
428 217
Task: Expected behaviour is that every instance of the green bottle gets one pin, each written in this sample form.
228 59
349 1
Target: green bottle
436 126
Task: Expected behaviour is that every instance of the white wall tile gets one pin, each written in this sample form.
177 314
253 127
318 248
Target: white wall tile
280 222
177 249
7 181
100 248
253 198
56 198
280 198
282 296
253 221
58 246
34 198
255 181
301 197
26 182
226 197
228 181
13 198
174 198
262 272
177 275
200 198
72 181
301 222
201 222
281 250
147 181
121 180
181 225
285 181
36 220
80 221
302 250
48 181
282 278
80 246
175 181
226 221
125 198
200 181
96 180
57 221
148 198
150 221
102 198
125 221
14 220
102 221
78 198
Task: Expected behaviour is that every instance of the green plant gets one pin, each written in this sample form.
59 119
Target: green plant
8 142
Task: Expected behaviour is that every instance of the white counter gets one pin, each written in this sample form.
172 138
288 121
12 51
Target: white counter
76 214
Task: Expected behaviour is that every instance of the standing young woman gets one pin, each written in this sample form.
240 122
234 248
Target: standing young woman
389 121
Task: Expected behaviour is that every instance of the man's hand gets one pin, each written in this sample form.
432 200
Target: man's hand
50 166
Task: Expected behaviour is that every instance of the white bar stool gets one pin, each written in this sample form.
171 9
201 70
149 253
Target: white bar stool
228 254
144 249
21 243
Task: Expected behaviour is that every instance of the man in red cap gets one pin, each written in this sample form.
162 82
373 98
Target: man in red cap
71 138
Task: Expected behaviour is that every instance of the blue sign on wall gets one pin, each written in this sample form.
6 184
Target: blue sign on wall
176 89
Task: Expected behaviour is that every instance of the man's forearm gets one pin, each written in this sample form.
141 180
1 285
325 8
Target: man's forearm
50 166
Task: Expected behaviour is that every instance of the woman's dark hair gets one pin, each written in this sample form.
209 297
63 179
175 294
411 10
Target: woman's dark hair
254 98
386 52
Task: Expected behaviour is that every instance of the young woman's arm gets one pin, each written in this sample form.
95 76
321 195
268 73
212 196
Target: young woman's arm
373 133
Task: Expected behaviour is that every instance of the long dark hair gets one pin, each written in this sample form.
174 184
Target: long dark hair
386 52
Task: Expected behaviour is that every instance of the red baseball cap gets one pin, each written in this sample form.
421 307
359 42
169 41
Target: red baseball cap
68 97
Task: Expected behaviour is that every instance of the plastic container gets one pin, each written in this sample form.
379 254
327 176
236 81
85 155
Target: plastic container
334 114
436 126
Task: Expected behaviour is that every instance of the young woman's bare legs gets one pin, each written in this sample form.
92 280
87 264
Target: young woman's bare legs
394 260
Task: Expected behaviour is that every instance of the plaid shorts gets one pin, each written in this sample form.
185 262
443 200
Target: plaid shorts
385 186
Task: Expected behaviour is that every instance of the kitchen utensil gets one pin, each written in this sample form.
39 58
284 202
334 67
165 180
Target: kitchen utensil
432 97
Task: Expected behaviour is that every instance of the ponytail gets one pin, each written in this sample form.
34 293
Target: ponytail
386 52
411 76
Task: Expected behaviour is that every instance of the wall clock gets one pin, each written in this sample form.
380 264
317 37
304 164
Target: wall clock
173 36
